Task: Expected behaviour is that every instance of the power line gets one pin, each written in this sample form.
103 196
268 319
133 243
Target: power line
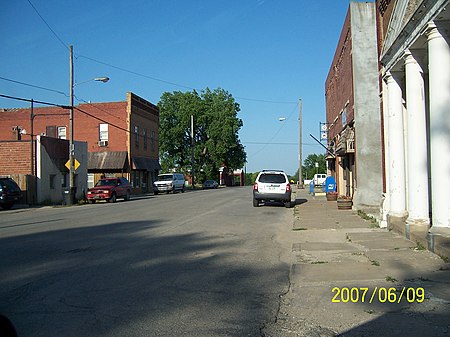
34 86
136 73
276 134
98 108
48 26
34 101
59 92
143 75
272 143
264 101
66 107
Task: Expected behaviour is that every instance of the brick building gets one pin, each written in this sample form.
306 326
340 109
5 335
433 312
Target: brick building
353 110
121 137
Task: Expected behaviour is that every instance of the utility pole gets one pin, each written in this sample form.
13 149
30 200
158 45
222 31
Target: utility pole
300 169
71 139
192 152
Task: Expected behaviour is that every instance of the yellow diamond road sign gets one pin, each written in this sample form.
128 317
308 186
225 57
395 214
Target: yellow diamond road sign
75 165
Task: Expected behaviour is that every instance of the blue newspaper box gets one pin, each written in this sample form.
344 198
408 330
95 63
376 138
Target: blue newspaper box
330 184
311 187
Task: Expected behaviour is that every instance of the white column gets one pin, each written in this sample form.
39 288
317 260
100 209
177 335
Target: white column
439 88
417 161
396 149
386 200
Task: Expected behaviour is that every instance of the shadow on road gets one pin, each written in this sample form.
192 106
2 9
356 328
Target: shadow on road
132 279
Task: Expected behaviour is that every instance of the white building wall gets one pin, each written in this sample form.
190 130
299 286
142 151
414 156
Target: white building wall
368 156
419 51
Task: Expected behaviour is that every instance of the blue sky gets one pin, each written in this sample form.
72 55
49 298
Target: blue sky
268 54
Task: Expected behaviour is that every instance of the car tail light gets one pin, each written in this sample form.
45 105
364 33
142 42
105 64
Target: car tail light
255 187
288 187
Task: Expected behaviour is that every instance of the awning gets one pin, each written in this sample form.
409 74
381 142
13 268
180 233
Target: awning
108 161
145 164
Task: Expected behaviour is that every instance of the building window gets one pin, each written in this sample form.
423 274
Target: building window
91 180
103 132
344 117
136 136
153 140
135 179
62 132
52 181
145 139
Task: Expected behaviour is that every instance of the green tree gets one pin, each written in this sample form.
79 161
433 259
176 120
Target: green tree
309 166
216 128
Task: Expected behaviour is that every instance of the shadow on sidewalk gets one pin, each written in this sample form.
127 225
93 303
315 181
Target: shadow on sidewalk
299 202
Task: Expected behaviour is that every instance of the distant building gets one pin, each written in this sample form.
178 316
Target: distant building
353 110
121 137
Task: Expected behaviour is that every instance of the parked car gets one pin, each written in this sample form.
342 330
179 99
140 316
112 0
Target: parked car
210 184
10 193
169 182
272 185
109 189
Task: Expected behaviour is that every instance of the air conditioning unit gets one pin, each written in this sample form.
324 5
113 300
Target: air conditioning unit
103 143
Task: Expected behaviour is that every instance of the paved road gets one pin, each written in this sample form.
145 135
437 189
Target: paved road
203 263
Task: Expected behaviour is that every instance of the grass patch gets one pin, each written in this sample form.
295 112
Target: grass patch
420 246
444 258
373 222
375 263
319 262
299 229
391 279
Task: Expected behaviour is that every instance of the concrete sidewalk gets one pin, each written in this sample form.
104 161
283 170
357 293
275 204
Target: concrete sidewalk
350 278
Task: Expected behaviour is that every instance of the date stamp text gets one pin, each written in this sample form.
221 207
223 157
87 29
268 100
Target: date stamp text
377 294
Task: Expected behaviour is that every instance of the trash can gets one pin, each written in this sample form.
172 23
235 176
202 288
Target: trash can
66 195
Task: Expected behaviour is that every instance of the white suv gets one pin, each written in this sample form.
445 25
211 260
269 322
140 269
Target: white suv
272 185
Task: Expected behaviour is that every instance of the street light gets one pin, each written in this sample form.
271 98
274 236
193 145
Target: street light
300 159
98 79
71 139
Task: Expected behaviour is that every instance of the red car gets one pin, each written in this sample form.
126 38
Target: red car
109 189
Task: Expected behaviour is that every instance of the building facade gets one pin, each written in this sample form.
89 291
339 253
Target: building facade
353 110
121 137
415 69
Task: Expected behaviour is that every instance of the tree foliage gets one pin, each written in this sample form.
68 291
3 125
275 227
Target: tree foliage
309 166
216 128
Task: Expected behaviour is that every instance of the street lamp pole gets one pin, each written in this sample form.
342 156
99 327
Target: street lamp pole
71 138
300 169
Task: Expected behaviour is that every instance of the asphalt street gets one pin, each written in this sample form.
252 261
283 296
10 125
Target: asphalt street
203 263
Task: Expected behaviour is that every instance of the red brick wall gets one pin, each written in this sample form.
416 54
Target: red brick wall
339 83
15 157
384 10
145 115
87 118
86 127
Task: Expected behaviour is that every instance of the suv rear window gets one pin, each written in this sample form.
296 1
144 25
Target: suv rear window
272 178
